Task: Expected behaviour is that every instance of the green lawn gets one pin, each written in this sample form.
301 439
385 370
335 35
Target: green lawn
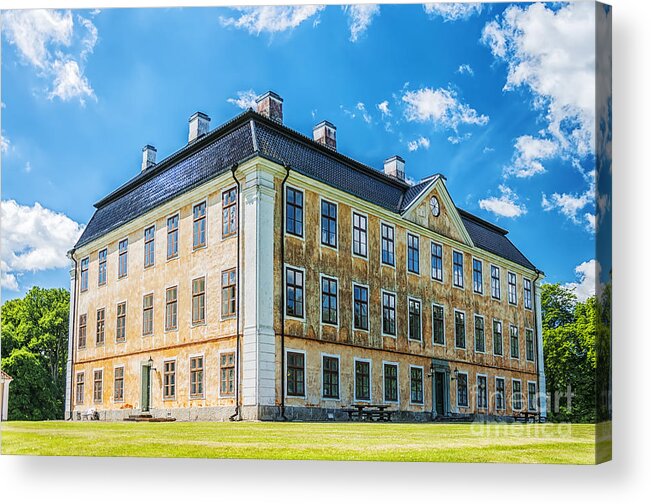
531 443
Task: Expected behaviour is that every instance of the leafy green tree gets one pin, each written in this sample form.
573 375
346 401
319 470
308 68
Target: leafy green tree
34 352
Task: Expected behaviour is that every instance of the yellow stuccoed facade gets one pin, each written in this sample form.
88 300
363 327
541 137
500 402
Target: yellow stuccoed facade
262 370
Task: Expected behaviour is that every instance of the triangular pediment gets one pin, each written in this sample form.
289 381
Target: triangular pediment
448 221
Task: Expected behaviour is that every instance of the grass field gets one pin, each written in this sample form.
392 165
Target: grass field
530 443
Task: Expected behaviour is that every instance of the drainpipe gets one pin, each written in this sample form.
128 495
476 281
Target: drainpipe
71 255
237 414
282 293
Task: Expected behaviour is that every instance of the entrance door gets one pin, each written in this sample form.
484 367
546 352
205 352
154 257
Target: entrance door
146 388
439 384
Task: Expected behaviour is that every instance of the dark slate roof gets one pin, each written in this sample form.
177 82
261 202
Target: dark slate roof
493 239
251 134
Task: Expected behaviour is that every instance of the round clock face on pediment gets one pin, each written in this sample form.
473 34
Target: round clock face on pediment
434 206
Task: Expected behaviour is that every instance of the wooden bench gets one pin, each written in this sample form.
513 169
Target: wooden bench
526 416
368 412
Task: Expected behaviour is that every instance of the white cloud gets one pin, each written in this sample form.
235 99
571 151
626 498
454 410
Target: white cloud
453 11
384 108
588 274
28 167
506 205
360 17
420 142
4 144
465 69
245 99
33 239
441 107
365 115
41 37
550 51
570 205
69 82
529 154
271 18
457 139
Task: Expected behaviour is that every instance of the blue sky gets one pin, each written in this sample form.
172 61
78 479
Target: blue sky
499 98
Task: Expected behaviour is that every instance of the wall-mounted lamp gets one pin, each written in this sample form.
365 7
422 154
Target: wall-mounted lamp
455 375
150 363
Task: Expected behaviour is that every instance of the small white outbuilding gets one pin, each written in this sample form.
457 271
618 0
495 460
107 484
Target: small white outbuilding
5 380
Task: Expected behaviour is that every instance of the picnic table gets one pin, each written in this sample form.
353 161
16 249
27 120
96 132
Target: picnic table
371 412
526 416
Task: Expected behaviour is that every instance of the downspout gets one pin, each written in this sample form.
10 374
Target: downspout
237 415
72 345
538 363
282 293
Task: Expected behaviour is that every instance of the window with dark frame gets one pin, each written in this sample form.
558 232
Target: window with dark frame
438 325
482 392
480 338
532 397
121 323
81 339
173 236
295 284
360 307
98 378
328 224
516 397
362 380
229 212
499 394
229 293
413 253
437 261
389 313
118 384
83 282
169 379
227 374
529 344
196 377
171 308
79 388
515 342
123 258
101 266
150 254
295 374
199 300
391 382
497 337
360 223
459 329
477 276
101 323
415 332
495 282
416 385
462 390
199 225
328 300
512 287
330 377
388 245
527 293
457 268
148 314
294 211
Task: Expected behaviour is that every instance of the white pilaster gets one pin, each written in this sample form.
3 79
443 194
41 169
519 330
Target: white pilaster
71 330
257 280
5 400
542 385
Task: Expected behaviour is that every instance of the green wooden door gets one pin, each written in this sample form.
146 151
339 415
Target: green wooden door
146 388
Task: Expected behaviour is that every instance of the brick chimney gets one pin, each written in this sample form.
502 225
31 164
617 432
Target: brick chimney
148 157
270 105
199 125
325 133
395 167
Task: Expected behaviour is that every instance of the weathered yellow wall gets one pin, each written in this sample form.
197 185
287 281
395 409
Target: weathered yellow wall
215 335
311 335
